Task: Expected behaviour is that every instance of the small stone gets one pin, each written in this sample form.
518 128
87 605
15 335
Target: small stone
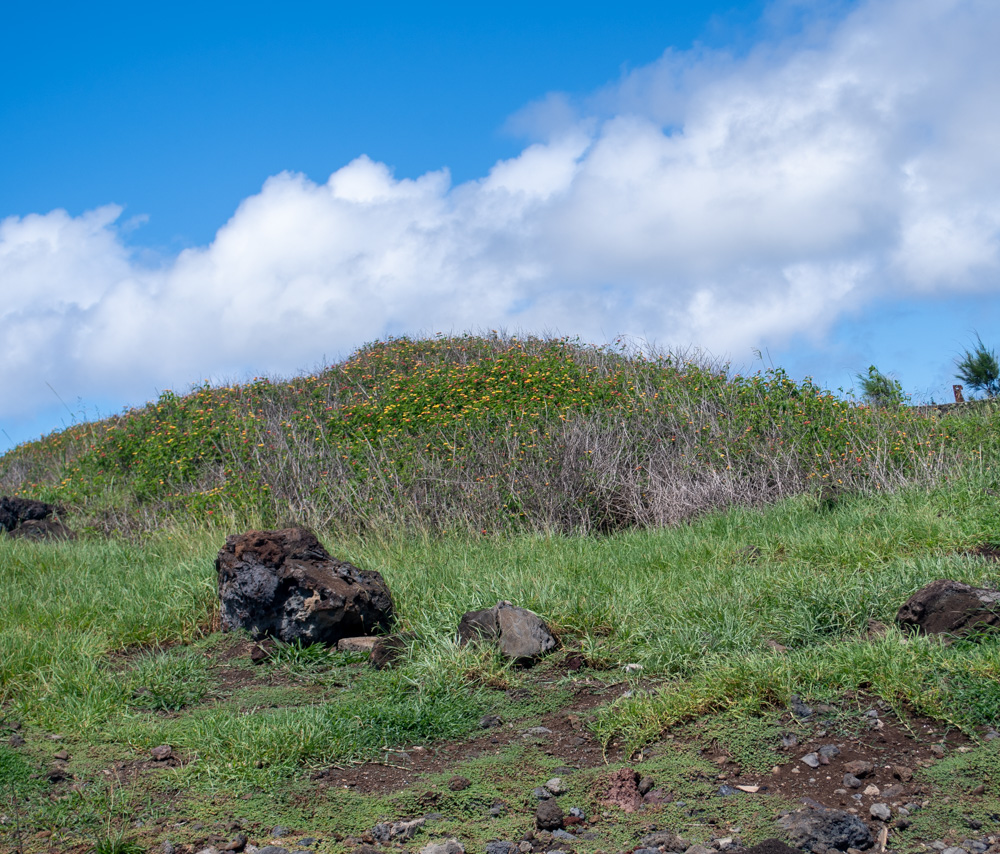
15 740
538 731
447 846
161 753
62 756
646 785
829 751
789 740
800 709
859 768
459 784
541 793
902 773
576 812
937 750
726 791
168 847
549 815
880 811
563 834
500 847
979 790
555 785
238 844
699 849
811 759
524 847
872 791
490 721
954 850
279 831
892 792
851 781
497 810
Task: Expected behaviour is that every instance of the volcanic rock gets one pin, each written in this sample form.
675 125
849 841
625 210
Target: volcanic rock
284 584
952 608
817 828
520 634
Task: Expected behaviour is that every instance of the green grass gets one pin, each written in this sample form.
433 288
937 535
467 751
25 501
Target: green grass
733 514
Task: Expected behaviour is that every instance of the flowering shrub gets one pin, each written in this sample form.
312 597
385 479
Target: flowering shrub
482 434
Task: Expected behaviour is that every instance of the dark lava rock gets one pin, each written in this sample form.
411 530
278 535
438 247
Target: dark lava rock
15 511
950 607
549 815
42 529
499 847
816 828
32 520
663 839
771 846
520 634
286 585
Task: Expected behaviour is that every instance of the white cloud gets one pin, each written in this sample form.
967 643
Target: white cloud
702 199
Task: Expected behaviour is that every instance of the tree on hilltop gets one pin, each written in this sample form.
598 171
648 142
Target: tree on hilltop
979 369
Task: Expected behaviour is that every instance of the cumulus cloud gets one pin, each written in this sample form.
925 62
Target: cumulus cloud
707 199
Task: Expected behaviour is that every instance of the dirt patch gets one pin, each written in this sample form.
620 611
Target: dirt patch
564 735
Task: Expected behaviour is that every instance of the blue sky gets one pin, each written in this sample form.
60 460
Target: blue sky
217 191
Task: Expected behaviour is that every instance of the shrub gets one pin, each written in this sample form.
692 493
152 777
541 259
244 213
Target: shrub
979 369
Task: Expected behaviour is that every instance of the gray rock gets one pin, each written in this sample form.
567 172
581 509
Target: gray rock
272 849
397 831
555 785
286 585
576 812
952 608
880 811
829 751
549 815
954 850
168 847
811 759
852 782
541 793
698 849
520 635
816 828
663 839
646 851
800 709
447 846
564 835
498 847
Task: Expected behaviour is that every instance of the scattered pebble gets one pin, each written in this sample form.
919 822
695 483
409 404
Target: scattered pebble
555 786
880 811
811 759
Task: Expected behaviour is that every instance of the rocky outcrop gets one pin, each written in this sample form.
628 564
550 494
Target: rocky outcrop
520 634
284 584
819 828
951 608
32 520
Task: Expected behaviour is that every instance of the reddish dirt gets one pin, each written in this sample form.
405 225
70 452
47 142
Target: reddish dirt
568 740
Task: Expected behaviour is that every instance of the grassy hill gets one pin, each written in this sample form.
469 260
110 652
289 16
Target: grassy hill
486 435
706 546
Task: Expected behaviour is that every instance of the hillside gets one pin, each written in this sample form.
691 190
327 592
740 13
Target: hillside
484 434
721 559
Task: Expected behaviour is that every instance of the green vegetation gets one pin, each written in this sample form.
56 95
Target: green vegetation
881 390
979 369
483 435
753 530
